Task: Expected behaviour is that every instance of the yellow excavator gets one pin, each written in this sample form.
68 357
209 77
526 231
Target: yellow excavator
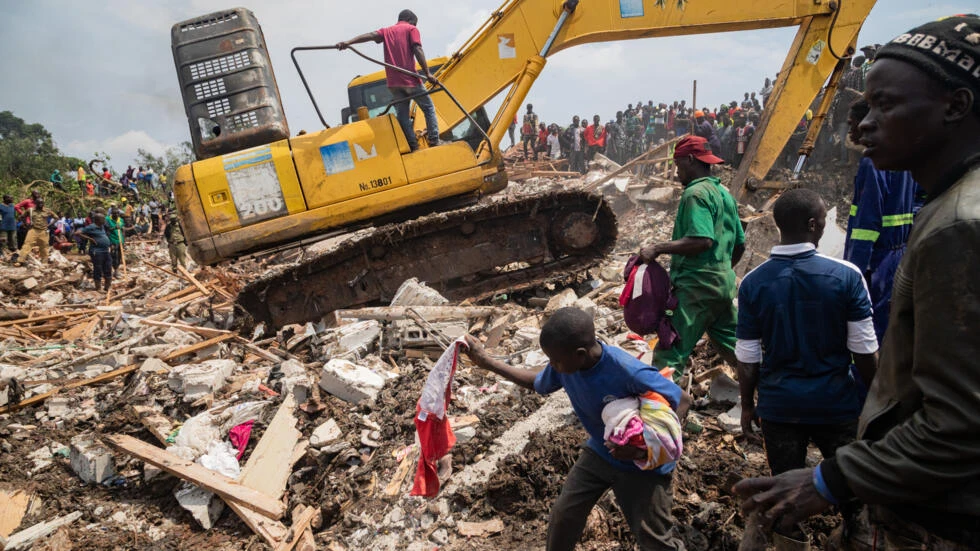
255 188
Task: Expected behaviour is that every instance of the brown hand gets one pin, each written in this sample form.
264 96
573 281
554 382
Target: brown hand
649 254
782 500
748 417
626 453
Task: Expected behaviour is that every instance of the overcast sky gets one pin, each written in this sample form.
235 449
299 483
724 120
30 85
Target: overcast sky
100 74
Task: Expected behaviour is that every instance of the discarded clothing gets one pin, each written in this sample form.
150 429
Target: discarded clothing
239 436
647 301
436 437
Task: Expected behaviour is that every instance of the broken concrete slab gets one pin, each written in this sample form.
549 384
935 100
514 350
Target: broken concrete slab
535 359
57 406
51 298
154 365
731 420
198 380
563 299
357 339
177 337
587 305
325 434
414 293
91 460
295 380
26 285
203 505
151 351
350 382
723 390
527 336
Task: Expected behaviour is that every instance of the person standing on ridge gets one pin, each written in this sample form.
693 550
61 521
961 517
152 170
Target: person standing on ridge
402 42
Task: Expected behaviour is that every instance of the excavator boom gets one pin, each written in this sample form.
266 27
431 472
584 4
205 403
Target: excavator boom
505 51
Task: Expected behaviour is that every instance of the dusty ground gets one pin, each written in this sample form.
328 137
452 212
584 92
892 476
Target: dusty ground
346 481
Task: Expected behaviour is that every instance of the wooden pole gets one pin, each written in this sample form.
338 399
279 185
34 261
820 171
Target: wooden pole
695 100
122 250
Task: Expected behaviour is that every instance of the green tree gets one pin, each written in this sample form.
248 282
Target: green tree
27 151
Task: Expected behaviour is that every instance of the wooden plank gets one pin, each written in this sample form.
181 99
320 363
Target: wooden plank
228 489
190 277
269 466
26 538
306 542
429 313
157 423
75 384
480 529
198 346
662 147
13 506
296 530
267 470
203 331
496 331
60 315
265 354
188 298
177 294
394 487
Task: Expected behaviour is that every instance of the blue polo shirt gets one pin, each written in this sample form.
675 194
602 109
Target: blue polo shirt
616 375
809 312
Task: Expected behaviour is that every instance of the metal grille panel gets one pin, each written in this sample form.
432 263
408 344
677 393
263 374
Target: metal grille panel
220 66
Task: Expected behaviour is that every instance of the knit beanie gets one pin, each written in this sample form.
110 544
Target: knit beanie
947 50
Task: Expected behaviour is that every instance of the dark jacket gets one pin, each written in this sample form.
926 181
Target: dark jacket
919 450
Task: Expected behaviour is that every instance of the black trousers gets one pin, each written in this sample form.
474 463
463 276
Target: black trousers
644 497
786 443
102 268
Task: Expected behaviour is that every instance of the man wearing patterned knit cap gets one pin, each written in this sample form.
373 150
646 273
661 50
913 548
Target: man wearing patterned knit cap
916 464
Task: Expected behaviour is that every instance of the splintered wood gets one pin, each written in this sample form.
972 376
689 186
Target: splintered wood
228 489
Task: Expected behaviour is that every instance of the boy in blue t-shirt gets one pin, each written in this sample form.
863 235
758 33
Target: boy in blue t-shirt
593 375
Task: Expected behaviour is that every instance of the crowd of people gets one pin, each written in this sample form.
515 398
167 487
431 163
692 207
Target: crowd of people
102 233
102 186
642 126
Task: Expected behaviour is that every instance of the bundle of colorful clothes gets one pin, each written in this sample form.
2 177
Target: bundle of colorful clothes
646 422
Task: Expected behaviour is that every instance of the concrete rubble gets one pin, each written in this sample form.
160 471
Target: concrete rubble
321 415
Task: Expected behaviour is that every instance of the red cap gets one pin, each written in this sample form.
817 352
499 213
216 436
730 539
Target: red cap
697 147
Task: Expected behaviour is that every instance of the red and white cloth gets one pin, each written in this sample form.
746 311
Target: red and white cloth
436 437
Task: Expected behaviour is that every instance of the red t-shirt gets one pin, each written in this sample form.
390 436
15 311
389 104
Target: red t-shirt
399 40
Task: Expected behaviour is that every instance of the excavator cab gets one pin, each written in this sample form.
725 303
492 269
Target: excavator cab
371 91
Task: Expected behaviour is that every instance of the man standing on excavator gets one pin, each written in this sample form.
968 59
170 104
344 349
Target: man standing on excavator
402 42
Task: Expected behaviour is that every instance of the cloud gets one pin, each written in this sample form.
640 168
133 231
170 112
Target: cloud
475 21
121 149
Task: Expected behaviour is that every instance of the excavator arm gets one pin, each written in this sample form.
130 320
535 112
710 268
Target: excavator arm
510 50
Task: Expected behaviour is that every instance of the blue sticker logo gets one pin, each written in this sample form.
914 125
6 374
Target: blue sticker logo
630 8
337 158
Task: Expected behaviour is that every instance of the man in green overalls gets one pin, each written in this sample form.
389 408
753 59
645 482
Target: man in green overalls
707 242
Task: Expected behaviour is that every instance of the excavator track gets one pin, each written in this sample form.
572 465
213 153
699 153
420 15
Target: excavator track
498 245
